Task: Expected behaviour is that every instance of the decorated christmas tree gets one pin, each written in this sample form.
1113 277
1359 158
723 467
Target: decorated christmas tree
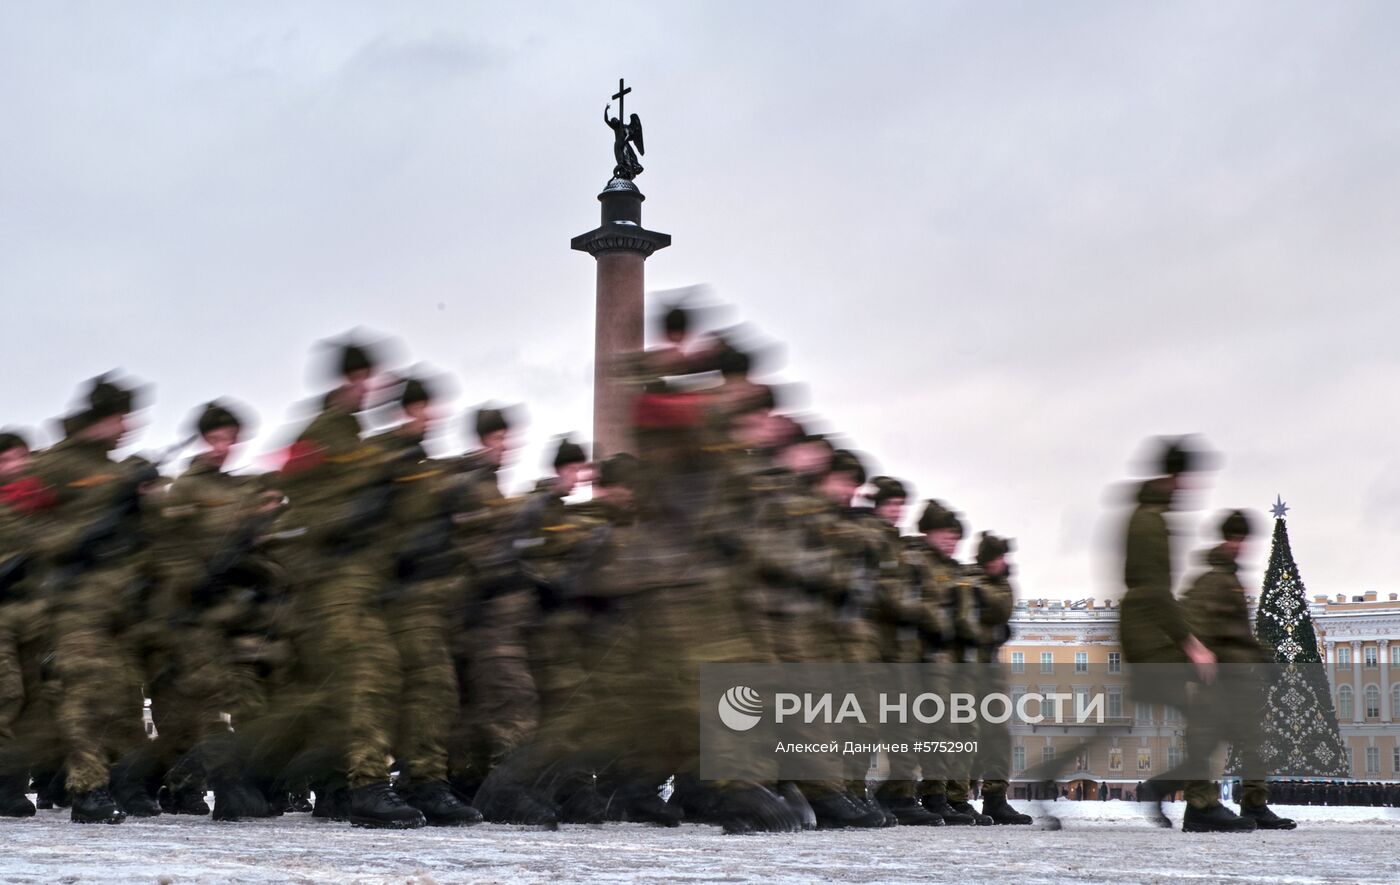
1300 732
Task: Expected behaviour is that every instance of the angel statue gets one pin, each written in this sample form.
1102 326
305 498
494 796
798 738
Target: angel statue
627 166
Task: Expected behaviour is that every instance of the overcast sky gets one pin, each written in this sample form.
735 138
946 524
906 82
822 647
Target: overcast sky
1001 243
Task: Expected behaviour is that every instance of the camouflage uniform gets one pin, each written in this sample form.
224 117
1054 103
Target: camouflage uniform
28 696
99 714
938 581
339 487
426 576
499 708
211 520
983 619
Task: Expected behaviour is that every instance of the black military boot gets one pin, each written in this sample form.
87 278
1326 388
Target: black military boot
910 812
441 807
96 807
378 806
332 803
1215 819
184 801
13 801
751 808
136 802
995 806
236 800
793 798
938 804
860 795
978 818
836 811
50 790
1265 819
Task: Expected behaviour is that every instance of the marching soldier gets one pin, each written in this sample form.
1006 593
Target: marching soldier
341 489
426 574
1229 710
1154 631
984 615
26 714
88 556
940 580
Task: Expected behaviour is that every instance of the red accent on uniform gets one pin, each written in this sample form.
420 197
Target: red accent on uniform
663 410
27 495
302 455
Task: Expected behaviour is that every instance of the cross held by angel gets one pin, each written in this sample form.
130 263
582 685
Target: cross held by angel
625 135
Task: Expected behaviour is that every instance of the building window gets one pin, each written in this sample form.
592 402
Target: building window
1047 662
1343 657
1115 758
1081 662
1144 759
1371 655
1173 756
1395 656
1171 715
1016 695
1348 759
1395 702
1373 760
1115 704
1115 662
1395 759
1018 758
1345 708
1143 713
1372 694
1018 662
1047 753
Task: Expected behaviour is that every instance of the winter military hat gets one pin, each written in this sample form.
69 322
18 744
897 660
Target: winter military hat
215 416
107 398
887 488
415 390
355 358
733 362
990 547
846 461
11 439
1185 454
489 421
936 517
676 321
569 452
1236 525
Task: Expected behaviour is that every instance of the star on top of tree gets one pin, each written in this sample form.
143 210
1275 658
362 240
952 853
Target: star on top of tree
1279 509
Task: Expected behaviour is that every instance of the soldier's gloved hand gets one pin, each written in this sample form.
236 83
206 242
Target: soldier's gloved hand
548 595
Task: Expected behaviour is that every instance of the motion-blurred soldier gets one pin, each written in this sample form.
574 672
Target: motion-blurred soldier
855 538
26 718
87 554
939 579
212 521
985 616
426 573
1157 641
898 618
341 489
1230 710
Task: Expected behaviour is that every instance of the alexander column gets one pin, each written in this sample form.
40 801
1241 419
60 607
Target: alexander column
621 246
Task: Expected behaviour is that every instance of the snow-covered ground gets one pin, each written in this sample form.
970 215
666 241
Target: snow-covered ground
1107 842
